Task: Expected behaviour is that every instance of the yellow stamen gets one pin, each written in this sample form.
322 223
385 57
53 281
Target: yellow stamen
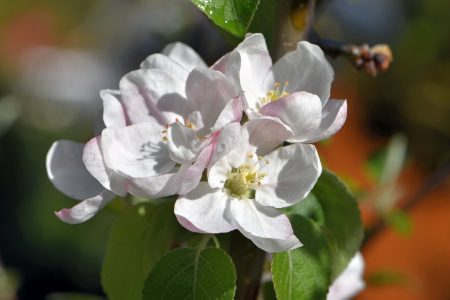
275 94
241 181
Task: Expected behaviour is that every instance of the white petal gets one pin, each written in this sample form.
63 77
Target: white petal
114 114
208 91
157 186
137 150
67 172
218 173
231 113
306 69
86 209
255 63
266 133
183 143
184 55
154 94
292 171
275 245
229 65
160 61
350 282
202 210
334 114
300 111
224 141
259 221
194 172
94 161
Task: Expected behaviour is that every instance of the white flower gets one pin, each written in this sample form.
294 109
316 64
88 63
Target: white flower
245 189
92 172
131 155
295 90
350 281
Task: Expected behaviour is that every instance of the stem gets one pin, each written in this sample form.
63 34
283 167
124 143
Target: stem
216 241
294 23
249 262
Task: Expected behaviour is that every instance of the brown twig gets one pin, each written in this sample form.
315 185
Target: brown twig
372 60
249 262
435 180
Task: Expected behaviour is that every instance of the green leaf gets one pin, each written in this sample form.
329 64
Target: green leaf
387 277
400 222
234 16
265 21
303 273
190 273
138 239
308 207
342 223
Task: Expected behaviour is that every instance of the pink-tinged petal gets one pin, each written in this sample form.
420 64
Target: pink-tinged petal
157 186
208 91
229 65
334 114
160 61
194 172
114 114
136 151
231 113
255 63
94 161
259 221
350 282
183 143
184 56
266 133
224 141
202 210
300 111
154 94
291 173
86 209
274 245
305 69
67 172
218 173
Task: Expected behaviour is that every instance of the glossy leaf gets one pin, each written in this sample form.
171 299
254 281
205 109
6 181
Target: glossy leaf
138 239
234 16
303 273
190 273
342 223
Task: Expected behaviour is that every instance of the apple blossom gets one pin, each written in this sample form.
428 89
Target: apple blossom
245 188
176 58
198 123
131 155
296 89
350 282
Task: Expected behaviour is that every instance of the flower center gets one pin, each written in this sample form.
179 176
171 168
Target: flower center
275 93
241 182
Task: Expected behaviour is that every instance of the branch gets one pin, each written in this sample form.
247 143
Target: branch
372 60
435 180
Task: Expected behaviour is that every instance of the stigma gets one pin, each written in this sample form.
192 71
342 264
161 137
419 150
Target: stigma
242 181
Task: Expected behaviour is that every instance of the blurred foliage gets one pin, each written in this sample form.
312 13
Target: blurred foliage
413 96
47 255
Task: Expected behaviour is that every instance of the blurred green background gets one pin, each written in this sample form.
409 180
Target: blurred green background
56 55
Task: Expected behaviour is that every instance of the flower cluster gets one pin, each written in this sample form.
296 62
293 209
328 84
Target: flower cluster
176 127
